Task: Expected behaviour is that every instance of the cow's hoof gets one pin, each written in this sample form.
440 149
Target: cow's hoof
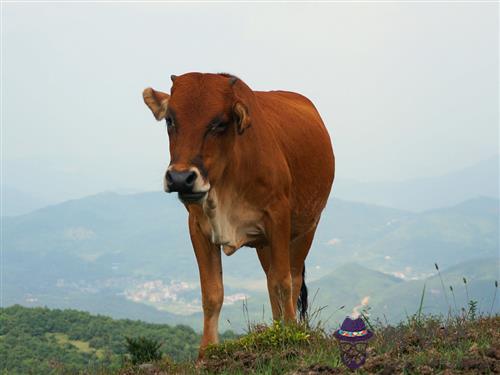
200 362
201 355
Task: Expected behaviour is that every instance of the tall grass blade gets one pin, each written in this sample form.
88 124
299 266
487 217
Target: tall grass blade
454 300
246 315
494 297
466 290
442 286
332 314
420 307
367 320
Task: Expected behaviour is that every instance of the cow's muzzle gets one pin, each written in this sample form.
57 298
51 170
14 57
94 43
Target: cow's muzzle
188 184
182 182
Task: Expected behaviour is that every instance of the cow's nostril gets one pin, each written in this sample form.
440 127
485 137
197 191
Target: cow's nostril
168 177
180 181
190 179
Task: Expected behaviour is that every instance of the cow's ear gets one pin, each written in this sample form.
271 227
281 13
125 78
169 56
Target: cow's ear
242 117
157 102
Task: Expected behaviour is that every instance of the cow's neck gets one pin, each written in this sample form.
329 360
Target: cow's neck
232 222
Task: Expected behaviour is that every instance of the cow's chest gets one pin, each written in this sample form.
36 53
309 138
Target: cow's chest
230 222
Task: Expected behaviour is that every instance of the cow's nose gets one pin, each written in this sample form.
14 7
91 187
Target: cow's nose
181 182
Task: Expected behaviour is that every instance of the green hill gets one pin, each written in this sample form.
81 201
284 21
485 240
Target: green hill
347 286
410 244
448 236
393 299
43 340
480 276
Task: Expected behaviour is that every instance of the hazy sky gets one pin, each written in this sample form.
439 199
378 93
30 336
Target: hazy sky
406 90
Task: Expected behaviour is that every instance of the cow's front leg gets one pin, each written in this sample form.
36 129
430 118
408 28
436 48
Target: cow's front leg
279 279
212 291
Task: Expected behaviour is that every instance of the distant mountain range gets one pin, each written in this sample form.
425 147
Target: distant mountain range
18 202
129 256
480 179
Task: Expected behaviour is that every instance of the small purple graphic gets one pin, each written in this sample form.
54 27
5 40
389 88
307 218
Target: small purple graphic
353 339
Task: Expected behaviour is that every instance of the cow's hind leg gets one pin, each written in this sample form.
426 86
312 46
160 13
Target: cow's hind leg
264 254
299 248
208 257
279 286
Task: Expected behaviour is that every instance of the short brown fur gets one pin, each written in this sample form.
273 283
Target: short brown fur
270 174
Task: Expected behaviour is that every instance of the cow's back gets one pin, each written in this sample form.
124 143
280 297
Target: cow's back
306 146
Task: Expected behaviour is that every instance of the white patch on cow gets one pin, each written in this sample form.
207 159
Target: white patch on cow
200 184
232 222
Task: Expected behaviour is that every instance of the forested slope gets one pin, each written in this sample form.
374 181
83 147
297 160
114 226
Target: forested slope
41 340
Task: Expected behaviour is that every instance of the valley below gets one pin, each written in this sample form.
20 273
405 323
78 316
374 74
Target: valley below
129 256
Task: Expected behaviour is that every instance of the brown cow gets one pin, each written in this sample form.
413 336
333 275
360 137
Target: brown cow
253 169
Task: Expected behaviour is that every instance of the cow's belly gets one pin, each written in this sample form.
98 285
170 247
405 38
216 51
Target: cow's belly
231 223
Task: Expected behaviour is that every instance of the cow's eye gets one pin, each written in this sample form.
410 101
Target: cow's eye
169 122
217 127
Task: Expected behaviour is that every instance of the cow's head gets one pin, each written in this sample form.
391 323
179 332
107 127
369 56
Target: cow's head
204 114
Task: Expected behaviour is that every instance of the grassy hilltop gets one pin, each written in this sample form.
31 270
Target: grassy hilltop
419 346
43 341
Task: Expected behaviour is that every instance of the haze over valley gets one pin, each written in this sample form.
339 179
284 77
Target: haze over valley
129 255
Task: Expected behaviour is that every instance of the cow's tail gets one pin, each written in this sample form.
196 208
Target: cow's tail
302 301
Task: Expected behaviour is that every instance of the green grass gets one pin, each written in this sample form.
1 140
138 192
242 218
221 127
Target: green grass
420 345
